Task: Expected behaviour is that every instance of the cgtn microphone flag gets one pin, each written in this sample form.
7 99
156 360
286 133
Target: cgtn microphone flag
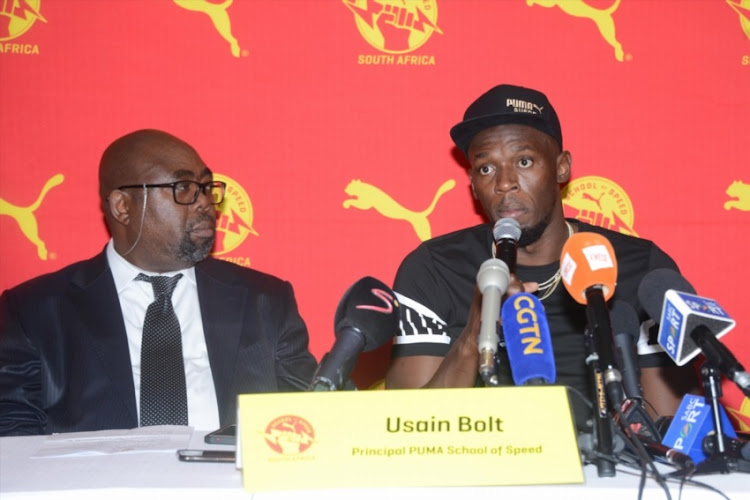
527 340
681 314
691 424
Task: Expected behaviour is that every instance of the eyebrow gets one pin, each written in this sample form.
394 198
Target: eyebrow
182 173
513 148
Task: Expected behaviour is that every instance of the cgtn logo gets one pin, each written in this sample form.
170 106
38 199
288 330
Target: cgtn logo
526 315
16 18
395 28
234 221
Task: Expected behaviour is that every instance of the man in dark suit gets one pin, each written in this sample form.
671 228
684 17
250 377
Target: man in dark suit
70 341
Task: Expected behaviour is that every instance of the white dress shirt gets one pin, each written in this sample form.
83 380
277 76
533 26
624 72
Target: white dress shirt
135 297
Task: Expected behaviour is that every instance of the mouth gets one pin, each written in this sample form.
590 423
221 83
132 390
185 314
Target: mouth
512 211
207 232
204 229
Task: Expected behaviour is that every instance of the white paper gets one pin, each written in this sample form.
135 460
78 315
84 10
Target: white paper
154 439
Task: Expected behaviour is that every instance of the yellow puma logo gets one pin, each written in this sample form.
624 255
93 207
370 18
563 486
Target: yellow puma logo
602 18
740 192
25 218
741 414
366 196
219 16
742 7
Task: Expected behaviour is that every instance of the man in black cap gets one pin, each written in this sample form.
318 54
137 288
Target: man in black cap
512 139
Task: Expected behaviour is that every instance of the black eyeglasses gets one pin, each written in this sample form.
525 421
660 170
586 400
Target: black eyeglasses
186 192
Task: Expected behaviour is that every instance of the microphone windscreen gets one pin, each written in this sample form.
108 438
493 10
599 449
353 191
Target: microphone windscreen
654 286
684 318
624 319
493 273
370 307
587 260
527 339
507 228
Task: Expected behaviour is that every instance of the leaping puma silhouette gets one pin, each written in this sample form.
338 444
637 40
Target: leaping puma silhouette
739 192
742 7
587 196
219 16
26 219
366 196
602 18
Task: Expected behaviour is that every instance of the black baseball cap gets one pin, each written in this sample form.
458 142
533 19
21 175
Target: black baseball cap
507 104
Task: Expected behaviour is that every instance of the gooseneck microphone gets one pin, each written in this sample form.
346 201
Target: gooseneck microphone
493 279
632 413
626 329
666 454
527 340
589 272
366 318
690 324
506 232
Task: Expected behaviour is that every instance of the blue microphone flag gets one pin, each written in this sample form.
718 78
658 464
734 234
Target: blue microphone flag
681 313
691 424
527 340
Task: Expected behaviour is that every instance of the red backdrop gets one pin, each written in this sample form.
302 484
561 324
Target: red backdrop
292 100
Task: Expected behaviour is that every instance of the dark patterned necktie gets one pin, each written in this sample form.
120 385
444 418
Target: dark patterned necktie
163 392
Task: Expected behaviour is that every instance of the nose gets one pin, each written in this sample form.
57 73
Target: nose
205 200
506 179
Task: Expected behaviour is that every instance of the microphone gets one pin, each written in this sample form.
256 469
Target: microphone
690 324
632 413
527 340
626 329
666 454
692 423
366 318
589 271
506 232
603 438
492 279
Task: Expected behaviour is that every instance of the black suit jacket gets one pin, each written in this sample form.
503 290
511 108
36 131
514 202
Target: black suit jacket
64 359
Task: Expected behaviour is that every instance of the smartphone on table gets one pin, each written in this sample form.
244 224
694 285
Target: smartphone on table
206 455
225 435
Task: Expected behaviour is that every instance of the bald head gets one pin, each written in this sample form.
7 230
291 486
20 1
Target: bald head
128 158
138 177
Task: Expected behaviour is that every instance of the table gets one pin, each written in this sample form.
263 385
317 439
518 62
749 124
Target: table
160 475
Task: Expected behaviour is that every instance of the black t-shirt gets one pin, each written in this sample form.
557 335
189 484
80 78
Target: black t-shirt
435 285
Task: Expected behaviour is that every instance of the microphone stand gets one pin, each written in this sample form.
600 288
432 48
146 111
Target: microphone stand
490 378
603 431
721 461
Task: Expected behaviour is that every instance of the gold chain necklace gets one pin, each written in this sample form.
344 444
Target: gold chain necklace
547 287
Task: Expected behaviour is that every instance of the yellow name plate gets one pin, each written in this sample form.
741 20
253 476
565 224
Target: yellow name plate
396 438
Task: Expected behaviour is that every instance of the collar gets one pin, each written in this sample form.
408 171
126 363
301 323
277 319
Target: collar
124 272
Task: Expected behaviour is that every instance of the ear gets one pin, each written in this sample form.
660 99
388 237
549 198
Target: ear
471 184
564 161
119 205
